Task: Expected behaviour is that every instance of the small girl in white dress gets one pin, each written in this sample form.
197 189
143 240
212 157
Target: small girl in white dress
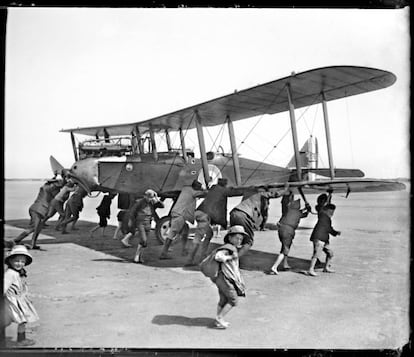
17 306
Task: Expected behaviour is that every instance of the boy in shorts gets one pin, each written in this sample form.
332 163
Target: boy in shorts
320 238
229 281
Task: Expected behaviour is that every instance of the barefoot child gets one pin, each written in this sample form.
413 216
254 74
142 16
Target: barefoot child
320 238
286 232
120 218
17 306
229 281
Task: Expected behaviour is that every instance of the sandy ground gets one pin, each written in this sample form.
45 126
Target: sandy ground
88 292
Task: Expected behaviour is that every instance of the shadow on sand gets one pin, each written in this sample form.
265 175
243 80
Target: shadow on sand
254 260
183 320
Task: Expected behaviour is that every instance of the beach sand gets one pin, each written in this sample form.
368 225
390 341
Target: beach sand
88 293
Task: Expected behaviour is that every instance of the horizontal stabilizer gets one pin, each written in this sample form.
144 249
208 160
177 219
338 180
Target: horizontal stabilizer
339 173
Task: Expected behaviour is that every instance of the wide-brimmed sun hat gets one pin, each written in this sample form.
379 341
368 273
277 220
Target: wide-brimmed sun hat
235 230
19 250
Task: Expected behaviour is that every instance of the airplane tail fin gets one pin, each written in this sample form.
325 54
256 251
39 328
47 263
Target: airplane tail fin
308 158
308 155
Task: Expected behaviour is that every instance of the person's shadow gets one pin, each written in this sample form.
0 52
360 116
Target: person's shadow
183 320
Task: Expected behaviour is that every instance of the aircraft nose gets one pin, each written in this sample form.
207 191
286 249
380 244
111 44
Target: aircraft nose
74 173
87 171
71 173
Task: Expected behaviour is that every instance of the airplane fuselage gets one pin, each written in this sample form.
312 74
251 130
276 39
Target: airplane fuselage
170 172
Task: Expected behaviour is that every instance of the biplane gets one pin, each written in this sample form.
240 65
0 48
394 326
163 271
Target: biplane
125 158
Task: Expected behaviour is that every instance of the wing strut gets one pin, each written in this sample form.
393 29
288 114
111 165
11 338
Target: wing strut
139 140
75 152
236 164
294 133
183 146
328 136
202 145
153 146
167 138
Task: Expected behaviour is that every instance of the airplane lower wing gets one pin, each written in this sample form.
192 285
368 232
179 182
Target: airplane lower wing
345 185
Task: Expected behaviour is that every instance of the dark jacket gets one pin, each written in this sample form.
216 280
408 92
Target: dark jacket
293 215
104 209
140 211
45 195
215 205
323 228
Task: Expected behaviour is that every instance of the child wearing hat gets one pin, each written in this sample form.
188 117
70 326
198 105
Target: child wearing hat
17 306
229 280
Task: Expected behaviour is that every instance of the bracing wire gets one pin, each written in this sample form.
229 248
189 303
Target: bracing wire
254 126
213 145
221 134
172 164
314 120
283 136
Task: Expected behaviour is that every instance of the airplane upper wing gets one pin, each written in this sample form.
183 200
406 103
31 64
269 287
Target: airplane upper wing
335 82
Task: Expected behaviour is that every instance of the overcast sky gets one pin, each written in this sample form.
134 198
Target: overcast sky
70 68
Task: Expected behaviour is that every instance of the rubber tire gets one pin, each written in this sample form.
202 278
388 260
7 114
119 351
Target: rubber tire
161 228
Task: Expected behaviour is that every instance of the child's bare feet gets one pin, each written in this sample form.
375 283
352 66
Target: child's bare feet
273 271
221 324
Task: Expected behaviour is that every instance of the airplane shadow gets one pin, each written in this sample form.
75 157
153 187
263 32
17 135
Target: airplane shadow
254 260
183 320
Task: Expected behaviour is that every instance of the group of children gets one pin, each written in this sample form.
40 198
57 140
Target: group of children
291 215
245 218
53 197
228 278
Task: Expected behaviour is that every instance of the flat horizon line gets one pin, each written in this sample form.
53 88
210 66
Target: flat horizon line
45 179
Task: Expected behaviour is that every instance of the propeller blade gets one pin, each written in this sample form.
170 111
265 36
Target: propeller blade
57 168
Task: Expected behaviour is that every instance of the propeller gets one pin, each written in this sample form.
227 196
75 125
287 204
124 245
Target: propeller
58 169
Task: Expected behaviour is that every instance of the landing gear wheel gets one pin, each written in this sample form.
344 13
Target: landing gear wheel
162 228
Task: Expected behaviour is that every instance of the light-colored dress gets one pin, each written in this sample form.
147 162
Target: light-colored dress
18 307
